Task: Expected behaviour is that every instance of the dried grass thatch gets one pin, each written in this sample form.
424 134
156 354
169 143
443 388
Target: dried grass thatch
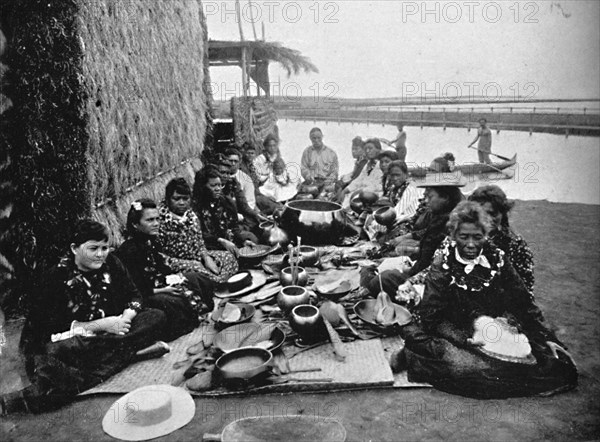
254 118
109 103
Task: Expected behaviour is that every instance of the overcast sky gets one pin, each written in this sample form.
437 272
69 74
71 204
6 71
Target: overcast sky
537 49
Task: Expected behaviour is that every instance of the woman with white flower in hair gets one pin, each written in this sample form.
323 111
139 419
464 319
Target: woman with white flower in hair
479 332
183 297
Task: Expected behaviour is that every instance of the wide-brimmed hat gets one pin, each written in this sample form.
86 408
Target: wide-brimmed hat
149 412
258 280
441 180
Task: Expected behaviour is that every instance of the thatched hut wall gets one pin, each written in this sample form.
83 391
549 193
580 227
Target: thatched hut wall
108 105
253 118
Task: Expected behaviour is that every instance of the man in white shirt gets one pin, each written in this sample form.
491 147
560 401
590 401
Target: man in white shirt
233 157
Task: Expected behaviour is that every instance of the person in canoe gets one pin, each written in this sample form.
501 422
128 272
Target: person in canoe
484 147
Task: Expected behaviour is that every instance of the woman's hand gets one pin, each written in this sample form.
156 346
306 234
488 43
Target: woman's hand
249 243
479 325
211 265
407 293
229 246
170 290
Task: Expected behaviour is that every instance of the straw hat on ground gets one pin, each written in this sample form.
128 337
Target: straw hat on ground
149 412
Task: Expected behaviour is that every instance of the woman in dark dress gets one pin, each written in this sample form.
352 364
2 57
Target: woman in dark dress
182 302
473 296
85 324
218 216
442 197
494 202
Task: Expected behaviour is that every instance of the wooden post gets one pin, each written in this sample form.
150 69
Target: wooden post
252 20
244 73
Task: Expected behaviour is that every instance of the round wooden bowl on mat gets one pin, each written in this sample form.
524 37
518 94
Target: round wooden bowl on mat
252 256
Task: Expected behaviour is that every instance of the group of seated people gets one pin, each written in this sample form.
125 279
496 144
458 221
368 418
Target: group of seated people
95 310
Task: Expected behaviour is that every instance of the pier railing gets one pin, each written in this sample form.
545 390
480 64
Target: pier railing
581 121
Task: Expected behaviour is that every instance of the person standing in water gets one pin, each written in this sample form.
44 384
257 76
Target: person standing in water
398 143
484 135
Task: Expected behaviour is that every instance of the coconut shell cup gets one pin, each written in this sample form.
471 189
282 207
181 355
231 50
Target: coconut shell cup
386 216
309 256
286 278
368 198
357 205
291 296
307 321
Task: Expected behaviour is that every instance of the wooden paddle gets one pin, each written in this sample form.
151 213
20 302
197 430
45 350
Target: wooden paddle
490 153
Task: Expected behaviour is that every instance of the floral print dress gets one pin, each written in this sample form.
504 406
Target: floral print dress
182 243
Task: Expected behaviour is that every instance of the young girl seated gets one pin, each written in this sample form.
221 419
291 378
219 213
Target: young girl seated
281 185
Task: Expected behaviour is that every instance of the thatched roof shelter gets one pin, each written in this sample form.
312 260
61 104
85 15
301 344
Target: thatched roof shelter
254 58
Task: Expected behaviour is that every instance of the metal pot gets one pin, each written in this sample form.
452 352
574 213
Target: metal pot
316 222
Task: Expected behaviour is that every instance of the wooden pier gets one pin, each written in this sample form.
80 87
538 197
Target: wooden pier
564 121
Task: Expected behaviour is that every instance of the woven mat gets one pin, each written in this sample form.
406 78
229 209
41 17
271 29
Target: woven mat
366 366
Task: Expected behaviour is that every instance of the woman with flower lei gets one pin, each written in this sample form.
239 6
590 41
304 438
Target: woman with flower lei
86 323
180 237
183 300
474 298
496 204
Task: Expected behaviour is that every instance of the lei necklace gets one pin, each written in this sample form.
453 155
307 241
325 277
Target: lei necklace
478 277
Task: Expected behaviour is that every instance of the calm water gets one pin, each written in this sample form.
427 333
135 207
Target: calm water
550 167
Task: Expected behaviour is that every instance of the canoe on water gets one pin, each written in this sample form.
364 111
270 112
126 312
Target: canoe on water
466 169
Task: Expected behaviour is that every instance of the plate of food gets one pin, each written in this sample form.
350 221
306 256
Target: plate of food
233 313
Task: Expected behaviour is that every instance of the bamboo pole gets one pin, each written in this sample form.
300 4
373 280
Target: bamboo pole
252 20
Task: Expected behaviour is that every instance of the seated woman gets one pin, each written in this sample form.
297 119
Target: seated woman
281 185
358 153
442 164
265 204
401 193
180 237
385 158
85 325
218 215
369 178
480 333
442 197
494 202
264 162
182 302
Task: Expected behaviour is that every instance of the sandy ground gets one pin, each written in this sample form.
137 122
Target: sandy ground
566 242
